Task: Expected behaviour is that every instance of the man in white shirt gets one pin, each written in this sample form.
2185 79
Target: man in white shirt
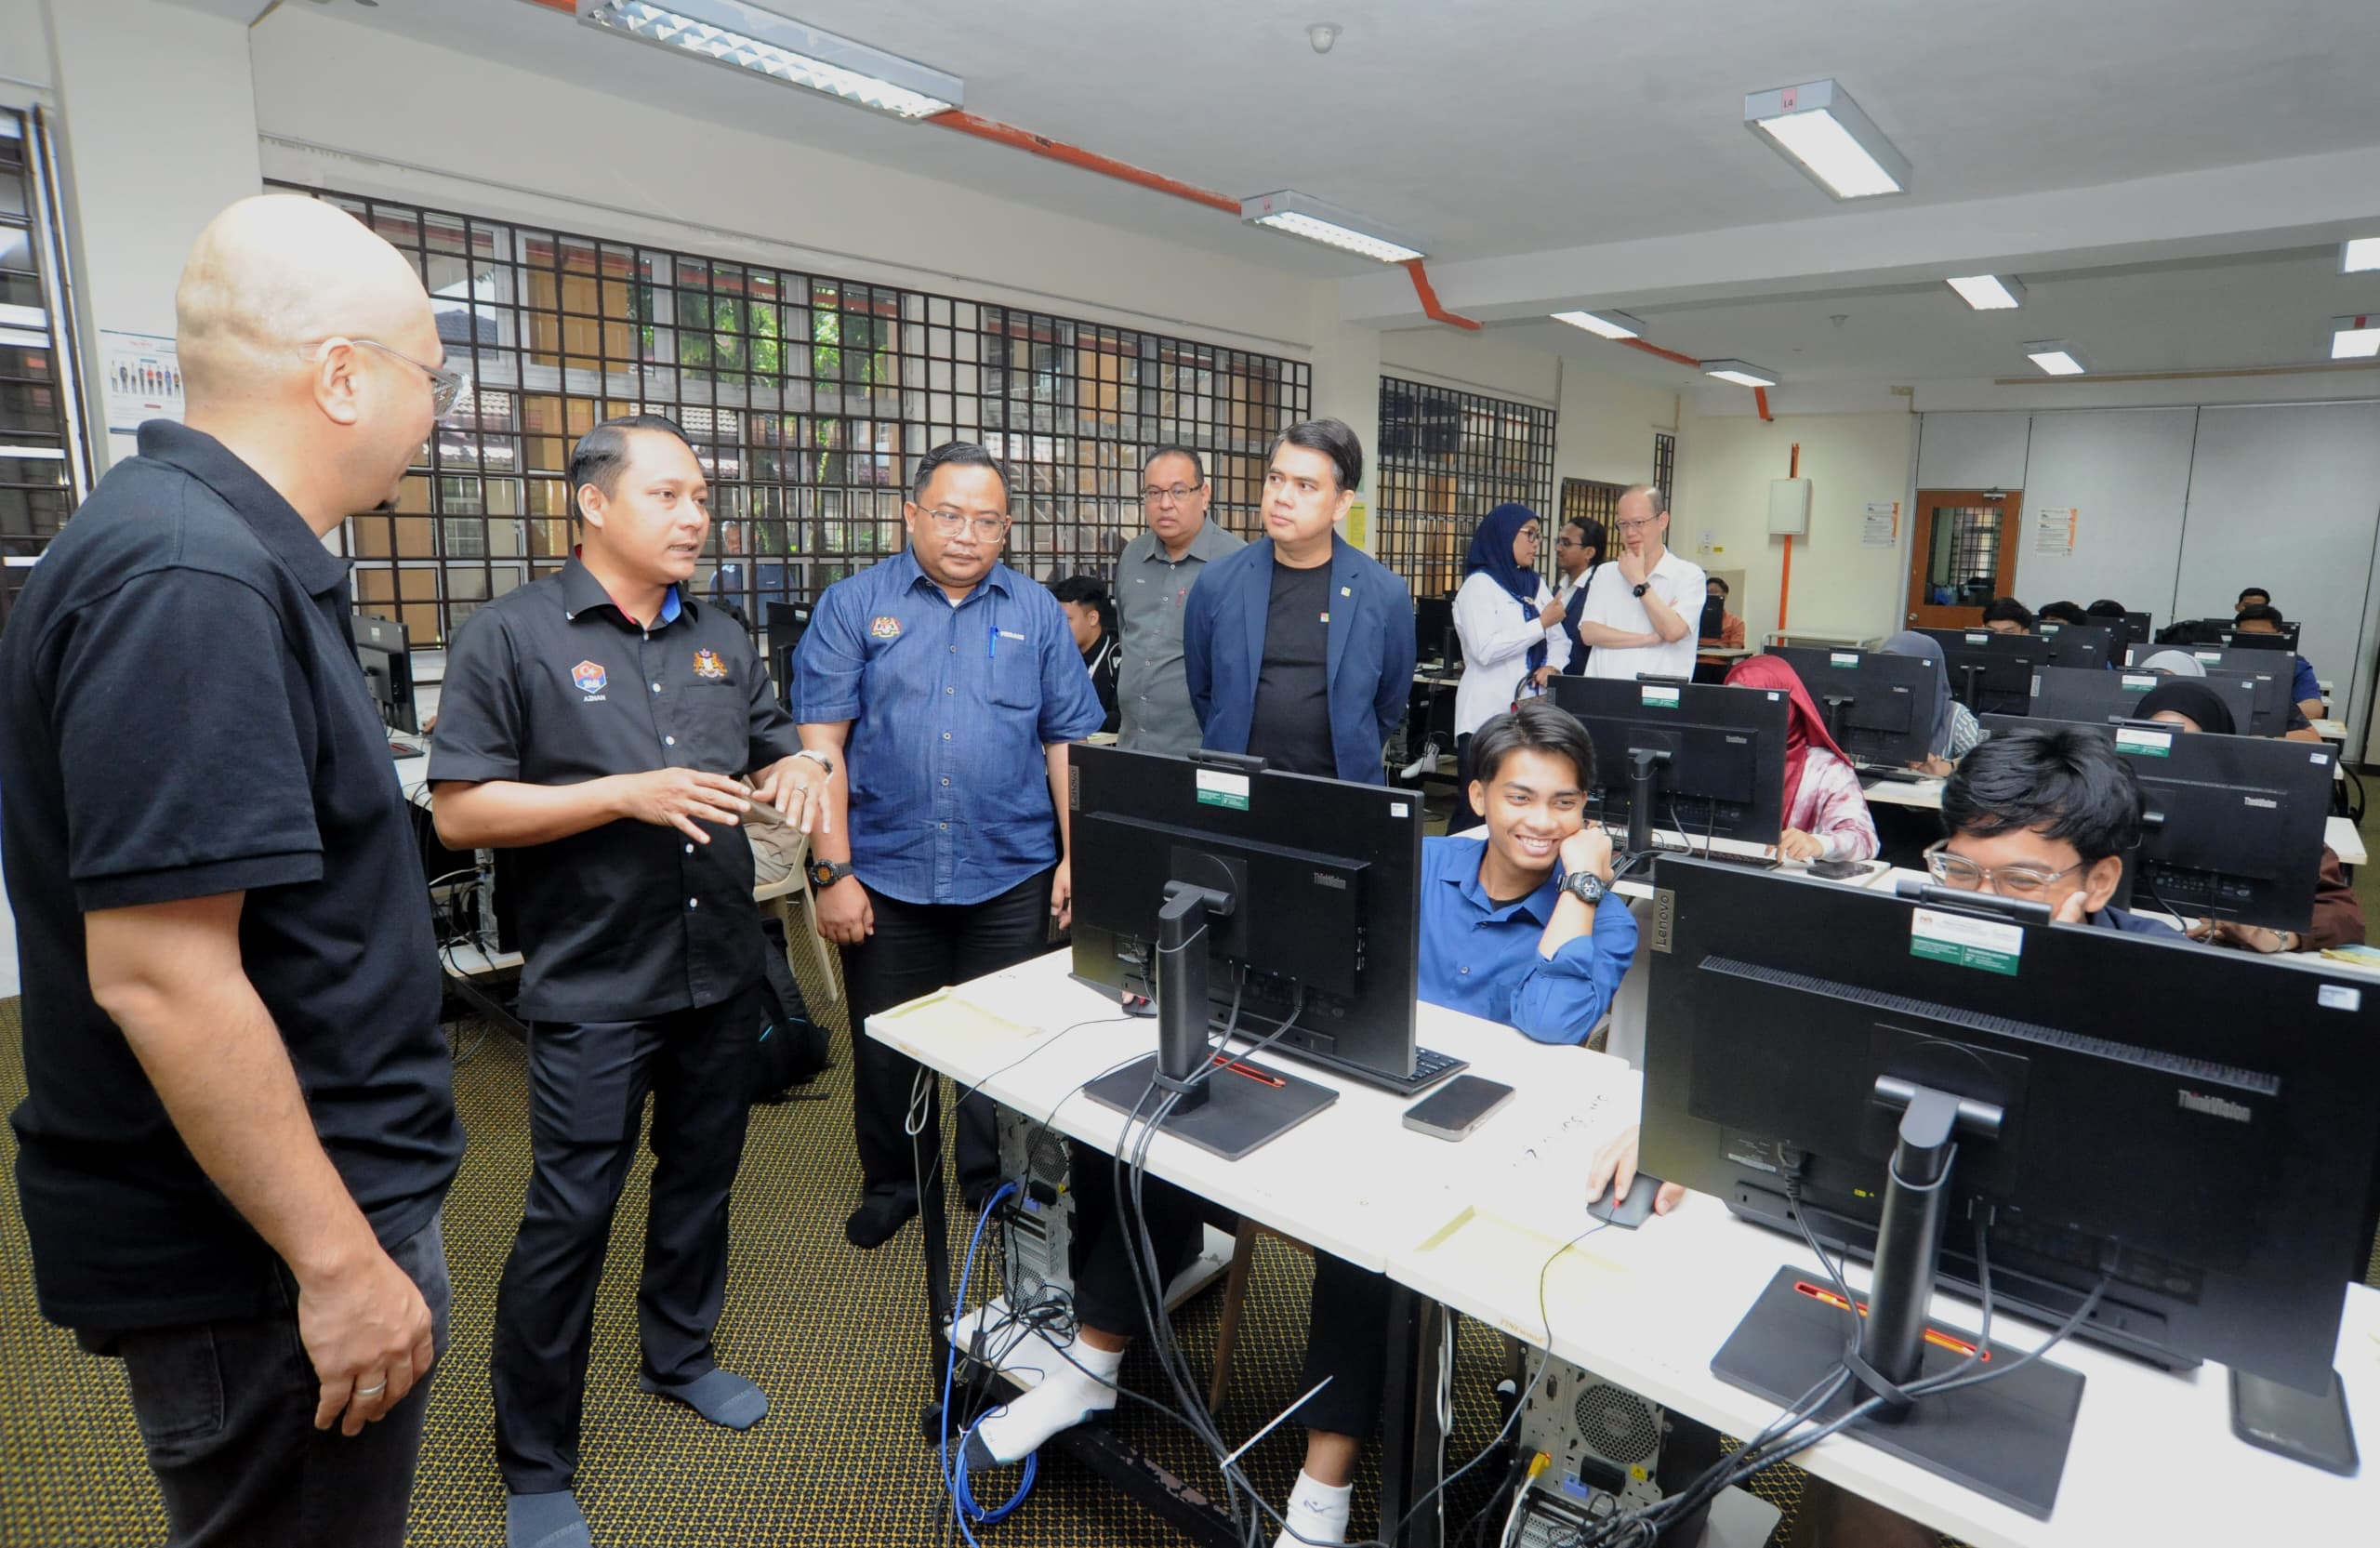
1638 619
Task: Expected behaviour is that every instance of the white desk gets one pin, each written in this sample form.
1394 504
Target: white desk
2344 842
1924 794
2332 731
1474 1224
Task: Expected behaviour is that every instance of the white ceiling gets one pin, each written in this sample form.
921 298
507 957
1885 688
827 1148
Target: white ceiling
1498 129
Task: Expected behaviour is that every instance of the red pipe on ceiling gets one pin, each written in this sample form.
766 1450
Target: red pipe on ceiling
1428 295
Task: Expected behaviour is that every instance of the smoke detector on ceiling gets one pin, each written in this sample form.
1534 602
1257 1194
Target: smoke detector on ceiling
1322 35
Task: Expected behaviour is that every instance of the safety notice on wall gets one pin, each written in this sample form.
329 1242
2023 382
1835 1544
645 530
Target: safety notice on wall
2054 530
1881 526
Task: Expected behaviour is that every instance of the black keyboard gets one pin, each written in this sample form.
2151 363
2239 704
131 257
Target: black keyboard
1898 776
398 749
1430 1066
1724 856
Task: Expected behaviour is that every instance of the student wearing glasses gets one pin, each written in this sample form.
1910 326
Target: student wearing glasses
1152 582
1509 624
937 692
2044 816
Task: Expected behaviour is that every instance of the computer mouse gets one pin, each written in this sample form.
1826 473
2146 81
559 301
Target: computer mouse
1837 870
1630 1209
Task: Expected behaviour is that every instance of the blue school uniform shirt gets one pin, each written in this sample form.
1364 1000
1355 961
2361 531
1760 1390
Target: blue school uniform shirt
1483 961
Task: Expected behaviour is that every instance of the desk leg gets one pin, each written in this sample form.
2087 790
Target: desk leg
1411 1440
933 1230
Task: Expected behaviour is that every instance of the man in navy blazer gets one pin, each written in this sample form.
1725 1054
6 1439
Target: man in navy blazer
1298 648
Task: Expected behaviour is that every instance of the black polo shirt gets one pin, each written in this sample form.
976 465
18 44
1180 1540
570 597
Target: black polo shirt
553 684
181 716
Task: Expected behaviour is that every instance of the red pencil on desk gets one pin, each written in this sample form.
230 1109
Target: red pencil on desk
1248 1070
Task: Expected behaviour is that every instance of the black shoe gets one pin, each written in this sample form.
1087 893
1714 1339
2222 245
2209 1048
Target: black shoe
881 1215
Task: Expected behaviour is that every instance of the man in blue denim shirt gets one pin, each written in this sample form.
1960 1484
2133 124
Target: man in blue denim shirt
937 693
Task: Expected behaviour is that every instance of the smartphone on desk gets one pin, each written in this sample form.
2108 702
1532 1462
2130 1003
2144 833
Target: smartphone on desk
1456 1108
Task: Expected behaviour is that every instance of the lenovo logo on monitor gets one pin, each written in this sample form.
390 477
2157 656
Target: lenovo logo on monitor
2213 1107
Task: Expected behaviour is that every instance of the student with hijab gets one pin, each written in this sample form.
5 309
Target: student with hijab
1955 731
2338 915
1826 815
1509 624
2182 664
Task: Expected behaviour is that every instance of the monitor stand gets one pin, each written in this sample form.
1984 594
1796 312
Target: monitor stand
1970 674
2005 1438
1644 789
1228 1108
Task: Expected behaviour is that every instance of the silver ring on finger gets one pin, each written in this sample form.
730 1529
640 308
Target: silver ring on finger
375 1390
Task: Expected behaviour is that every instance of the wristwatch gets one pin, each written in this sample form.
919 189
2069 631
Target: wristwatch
1642 586
826 873
818 758
1586 886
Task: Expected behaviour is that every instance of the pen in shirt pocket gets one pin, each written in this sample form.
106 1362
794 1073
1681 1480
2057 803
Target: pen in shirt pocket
999 634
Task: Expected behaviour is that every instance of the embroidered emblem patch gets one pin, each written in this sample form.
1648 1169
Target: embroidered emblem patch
886 627
706 664
589 676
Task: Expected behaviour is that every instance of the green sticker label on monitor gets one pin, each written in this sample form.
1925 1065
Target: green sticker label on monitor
2212 658
1218 789
1843 658
1983 639
1963 942
2132 684
1659 697
2145 744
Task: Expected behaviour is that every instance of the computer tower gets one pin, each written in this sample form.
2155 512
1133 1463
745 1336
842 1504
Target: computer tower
1037 1238
1599 1437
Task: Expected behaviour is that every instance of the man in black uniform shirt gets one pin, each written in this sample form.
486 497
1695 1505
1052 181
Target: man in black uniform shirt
239 1123
598 720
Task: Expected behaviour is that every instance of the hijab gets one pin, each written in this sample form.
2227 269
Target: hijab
2191 697
1911 643
1805 727
2178 663
1492 552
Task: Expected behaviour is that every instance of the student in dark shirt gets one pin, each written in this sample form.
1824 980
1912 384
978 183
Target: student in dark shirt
2063 613
2007 615
2045 817
2304 685
1090 616
1298 648
239 1122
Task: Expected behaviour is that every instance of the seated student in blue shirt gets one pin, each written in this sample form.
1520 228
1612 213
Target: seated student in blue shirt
2304 689
1516 927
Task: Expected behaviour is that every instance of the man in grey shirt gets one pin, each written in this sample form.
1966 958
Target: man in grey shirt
1152 582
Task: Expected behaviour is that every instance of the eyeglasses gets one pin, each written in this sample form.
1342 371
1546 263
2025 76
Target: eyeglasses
1956 870
1636 527
1174 496
950 523
1528 535
446 385
1570 543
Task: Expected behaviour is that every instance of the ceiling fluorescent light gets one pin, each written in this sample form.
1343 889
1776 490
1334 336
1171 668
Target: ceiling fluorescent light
1603 325
1301 215
2358 253
2354 338
746 37
2055 356
1741 372
1988 292
1821 130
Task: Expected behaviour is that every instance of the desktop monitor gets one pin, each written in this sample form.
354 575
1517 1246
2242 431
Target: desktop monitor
1315 906
382 651
787 622
1434 638
2231 826
2256 639
1878 706
2191 1127
2093 696
2273 679
1701 759
1991 674
2080 644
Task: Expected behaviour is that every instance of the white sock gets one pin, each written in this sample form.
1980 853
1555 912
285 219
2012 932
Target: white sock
1317 1512
1067 1397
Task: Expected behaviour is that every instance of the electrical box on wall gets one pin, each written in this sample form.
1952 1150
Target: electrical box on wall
1789 508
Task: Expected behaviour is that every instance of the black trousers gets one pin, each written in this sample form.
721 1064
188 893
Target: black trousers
588 1082
226 1411
918 949
1106 1296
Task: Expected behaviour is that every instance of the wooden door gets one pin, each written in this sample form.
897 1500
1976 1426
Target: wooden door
1964 556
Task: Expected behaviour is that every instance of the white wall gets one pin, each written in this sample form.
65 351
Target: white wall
1605 428
1720 515
1473 361
25 42
160 134
2127 475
